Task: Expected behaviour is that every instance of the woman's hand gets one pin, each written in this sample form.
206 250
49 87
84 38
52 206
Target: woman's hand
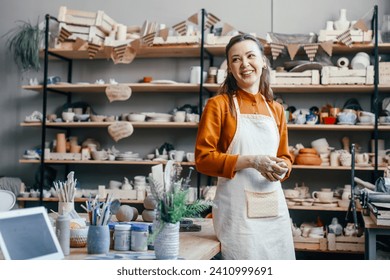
272 168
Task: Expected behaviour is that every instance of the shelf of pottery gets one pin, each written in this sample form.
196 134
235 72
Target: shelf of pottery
76 148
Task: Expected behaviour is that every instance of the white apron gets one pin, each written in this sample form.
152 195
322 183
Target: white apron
252 238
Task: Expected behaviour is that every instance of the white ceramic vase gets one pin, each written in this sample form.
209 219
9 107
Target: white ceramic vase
166 244
342 23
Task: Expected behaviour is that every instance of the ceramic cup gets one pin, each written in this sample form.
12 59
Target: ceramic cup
180 116
362 158
321 145
190 157
323 196
334 159
333 112
68 116
195 75
176 155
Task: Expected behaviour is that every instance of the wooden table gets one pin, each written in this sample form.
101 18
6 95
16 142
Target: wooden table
372 230
202 245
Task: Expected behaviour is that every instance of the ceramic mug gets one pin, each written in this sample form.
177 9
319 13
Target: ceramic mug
180 116
323 196
176 155
300 119
334 159
362 158
190 157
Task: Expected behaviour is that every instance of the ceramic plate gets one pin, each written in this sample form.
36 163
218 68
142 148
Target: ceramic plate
345 123
7 199
307 66
385 123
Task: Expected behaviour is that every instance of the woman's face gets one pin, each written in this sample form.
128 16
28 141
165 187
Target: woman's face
246 63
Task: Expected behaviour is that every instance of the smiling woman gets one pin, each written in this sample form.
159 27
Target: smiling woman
242 140
247 65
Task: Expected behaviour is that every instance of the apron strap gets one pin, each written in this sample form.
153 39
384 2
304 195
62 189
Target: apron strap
236 104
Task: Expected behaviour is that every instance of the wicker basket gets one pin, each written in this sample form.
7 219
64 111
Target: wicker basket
78 237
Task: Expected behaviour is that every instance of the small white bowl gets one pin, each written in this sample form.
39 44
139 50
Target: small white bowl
24 194
68 116
150 156
136 117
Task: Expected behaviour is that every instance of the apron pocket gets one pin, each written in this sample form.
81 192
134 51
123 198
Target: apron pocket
262 204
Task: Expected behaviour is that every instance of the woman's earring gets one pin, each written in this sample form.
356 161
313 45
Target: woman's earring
265 66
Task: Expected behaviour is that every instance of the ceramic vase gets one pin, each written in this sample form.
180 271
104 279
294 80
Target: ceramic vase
166 244
98 239
342 23
61 143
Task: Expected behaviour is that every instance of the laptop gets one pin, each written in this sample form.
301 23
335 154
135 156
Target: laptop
27 234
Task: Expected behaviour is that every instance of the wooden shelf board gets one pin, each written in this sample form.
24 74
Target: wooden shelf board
194 51
319 167
135 87
330 127
331 252
320 208
110 162
106 124
143 52
309 88
384 87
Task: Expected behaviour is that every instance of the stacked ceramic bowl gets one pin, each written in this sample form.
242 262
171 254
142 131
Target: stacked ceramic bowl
128 156
158 117
308 156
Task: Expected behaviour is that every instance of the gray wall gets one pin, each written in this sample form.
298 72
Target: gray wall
299 16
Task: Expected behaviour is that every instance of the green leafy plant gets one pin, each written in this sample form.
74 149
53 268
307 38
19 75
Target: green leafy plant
23 42
172 204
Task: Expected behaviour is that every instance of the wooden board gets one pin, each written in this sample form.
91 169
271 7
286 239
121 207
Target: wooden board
384 73
202 245
211 39
345 243
65 156
307 243
85 18
308 77
176 40
335 75
357 36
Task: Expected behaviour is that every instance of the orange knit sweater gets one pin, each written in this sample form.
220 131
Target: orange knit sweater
218 126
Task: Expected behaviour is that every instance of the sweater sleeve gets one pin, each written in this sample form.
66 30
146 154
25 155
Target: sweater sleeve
283 150
210 159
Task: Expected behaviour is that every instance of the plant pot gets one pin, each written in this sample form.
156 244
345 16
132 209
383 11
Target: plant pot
166 244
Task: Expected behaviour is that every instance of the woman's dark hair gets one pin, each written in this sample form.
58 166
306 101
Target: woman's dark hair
230 87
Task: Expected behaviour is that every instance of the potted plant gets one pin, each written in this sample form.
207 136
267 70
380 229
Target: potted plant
23 42
172 207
